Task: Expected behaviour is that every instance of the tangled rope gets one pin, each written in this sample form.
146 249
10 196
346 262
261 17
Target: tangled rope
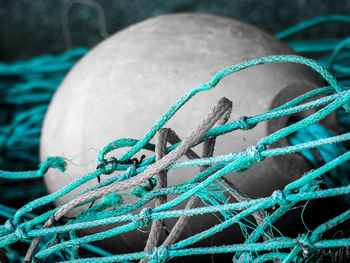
48 235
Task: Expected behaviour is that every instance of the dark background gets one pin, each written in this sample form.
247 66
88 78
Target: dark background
29 28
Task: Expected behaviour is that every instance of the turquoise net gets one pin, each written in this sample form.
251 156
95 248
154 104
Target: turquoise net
27 87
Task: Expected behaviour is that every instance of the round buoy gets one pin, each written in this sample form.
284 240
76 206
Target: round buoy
126 83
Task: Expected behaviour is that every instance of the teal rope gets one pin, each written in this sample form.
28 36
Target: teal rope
314 46
54 162
236 165
26 90
36 90
336 52
168 214
279 244
219 76
312 22
8 212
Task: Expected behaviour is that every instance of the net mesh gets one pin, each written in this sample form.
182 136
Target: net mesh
27 87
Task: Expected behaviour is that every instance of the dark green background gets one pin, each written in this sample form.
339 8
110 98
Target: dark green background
32 27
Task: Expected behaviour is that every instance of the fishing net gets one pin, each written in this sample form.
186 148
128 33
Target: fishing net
29 217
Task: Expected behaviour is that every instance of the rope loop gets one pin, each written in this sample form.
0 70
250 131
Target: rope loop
159 254
280 197
144 217
243 124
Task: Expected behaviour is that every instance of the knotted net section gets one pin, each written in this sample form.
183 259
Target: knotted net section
147 178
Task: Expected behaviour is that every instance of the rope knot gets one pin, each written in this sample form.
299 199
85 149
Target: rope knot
280 197
243 124
21 234
254 153
52 162
109 165
251 156
110 168
306 245
159 254
144 217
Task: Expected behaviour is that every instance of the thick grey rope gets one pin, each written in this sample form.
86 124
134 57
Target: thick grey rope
194 201
172 138
157 225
